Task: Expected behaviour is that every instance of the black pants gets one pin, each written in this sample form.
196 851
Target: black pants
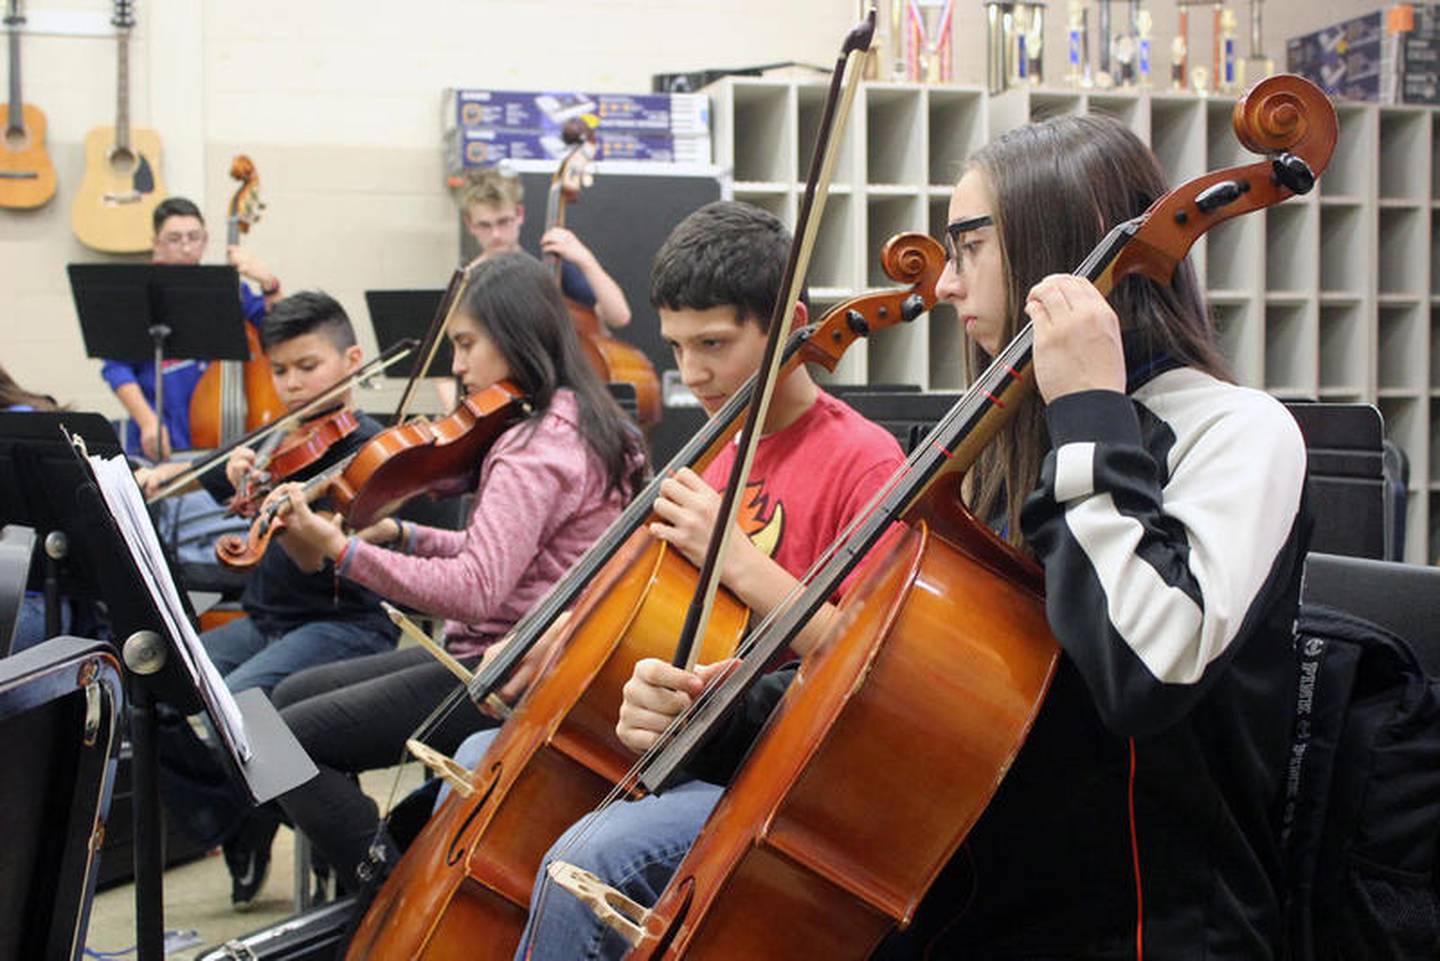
354 716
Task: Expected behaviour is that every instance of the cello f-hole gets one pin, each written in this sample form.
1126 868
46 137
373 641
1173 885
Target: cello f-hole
458 847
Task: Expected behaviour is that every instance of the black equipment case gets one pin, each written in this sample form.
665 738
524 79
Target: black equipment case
318 934
60 707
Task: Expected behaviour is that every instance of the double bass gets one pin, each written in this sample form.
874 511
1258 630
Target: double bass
235 397
613 359
943 646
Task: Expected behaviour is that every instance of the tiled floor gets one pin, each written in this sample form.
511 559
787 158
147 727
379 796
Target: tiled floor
197 895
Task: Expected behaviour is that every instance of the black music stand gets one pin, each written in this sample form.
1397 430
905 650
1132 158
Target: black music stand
140 312
26 441
398 314
47 475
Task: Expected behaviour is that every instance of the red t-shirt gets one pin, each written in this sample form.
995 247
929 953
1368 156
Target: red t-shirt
809 480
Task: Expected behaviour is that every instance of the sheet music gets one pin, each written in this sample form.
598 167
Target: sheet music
127 505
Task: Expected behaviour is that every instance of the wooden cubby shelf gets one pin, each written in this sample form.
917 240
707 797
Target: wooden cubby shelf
1333 296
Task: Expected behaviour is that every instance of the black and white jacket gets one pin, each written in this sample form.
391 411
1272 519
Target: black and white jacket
1171 525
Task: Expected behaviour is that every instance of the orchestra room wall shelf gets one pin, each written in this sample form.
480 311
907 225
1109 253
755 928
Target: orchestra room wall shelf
1334 295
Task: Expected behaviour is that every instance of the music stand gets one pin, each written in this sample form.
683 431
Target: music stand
398 314
47 475
140 312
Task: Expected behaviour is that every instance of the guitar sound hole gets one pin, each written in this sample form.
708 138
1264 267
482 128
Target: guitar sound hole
122 160
16 139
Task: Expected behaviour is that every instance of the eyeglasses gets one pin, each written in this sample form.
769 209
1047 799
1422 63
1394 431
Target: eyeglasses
957 228
185 239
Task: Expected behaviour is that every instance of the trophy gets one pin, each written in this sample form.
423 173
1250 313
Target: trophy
1200 81
1142 42
1104 77
927 31
1030 42
1180 47
1014 33
1229 80
1077 71
1217 40
1257 66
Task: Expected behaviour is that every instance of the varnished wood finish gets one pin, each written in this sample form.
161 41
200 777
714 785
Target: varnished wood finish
111 213
27 175
262 402
883 753
554 760
441 458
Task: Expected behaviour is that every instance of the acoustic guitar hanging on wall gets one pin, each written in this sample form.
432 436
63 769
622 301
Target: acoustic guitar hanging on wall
122 184
27 177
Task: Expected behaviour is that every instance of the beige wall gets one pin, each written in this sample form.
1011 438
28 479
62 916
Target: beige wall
337 102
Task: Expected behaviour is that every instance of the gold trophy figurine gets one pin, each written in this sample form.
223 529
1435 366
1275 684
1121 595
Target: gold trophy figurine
1200 81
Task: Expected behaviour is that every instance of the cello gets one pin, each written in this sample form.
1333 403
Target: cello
233 397
944 647
613 359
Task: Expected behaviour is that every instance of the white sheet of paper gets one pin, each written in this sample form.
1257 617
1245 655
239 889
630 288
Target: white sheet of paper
127 505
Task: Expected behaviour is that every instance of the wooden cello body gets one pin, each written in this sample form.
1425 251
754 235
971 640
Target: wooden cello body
809 828
235 397
462 889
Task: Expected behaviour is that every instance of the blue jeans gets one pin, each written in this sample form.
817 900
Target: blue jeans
248 657
634 846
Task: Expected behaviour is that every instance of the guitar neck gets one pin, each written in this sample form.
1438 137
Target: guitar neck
122 88
15 118
232 231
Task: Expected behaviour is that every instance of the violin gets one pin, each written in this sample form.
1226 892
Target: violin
297 451
231 397
263 435
440 458
944 645
613 359
471 869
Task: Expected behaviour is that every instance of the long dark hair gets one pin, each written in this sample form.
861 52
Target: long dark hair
13 395
515 300
1056 188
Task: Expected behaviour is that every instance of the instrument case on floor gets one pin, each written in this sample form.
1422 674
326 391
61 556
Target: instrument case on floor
318 934
60 706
